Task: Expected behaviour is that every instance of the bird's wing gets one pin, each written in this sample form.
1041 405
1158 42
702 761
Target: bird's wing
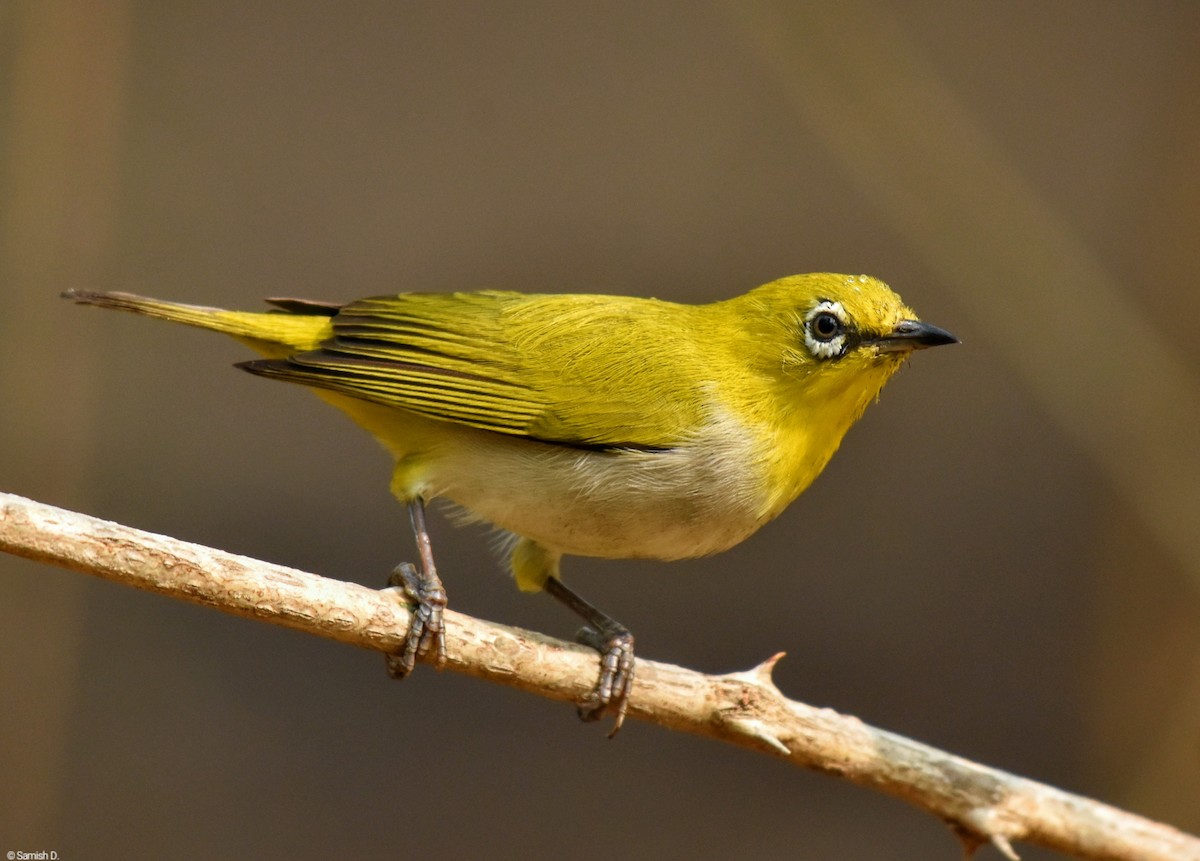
594 371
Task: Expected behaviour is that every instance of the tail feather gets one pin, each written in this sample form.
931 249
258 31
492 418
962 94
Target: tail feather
196 315
301 326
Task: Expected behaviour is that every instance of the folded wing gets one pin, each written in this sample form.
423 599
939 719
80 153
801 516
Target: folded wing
590 371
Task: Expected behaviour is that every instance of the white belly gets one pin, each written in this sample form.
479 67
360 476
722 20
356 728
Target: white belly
690 501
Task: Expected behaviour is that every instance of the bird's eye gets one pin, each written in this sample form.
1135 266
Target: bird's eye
825 326
827 330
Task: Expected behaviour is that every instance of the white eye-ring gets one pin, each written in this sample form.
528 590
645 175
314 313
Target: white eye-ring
825 330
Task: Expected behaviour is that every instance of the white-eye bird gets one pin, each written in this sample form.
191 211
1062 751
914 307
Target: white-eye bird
588 425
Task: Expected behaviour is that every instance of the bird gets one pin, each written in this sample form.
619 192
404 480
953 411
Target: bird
581 424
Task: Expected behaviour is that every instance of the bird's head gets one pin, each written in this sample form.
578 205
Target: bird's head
835 339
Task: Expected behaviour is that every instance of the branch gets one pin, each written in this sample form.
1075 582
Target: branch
982 805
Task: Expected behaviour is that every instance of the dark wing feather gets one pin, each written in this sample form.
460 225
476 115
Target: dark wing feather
313 307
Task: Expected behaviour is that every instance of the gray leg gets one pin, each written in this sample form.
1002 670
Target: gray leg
424 588
614 643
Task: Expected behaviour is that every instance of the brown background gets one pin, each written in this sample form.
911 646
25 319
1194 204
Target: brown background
1003 561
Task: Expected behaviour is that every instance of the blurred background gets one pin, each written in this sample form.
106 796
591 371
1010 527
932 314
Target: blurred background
1003 561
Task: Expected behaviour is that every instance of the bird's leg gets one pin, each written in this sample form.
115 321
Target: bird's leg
614 643
424 588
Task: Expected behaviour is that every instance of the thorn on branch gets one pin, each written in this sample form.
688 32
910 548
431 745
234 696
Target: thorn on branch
977 829
1001 843
763 672
755 728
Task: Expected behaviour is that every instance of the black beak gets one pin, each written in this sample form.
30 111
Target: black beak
913 335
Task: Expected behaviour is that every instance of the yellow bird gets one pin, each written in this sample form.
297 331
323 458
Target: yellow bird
586 425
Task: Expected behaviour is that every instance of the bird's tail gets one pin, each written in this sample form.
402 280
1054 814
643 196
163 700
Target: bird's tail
297 326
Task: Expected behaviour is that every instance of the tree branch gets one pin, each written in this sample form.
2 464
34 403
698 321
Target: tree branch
982 805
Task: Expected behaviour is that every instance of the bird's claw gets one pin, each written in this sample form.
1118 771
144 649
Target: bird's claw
615 683
427 631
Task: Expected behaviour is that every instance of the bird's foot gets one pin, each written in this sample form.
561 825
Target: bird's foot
611 694
426 632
